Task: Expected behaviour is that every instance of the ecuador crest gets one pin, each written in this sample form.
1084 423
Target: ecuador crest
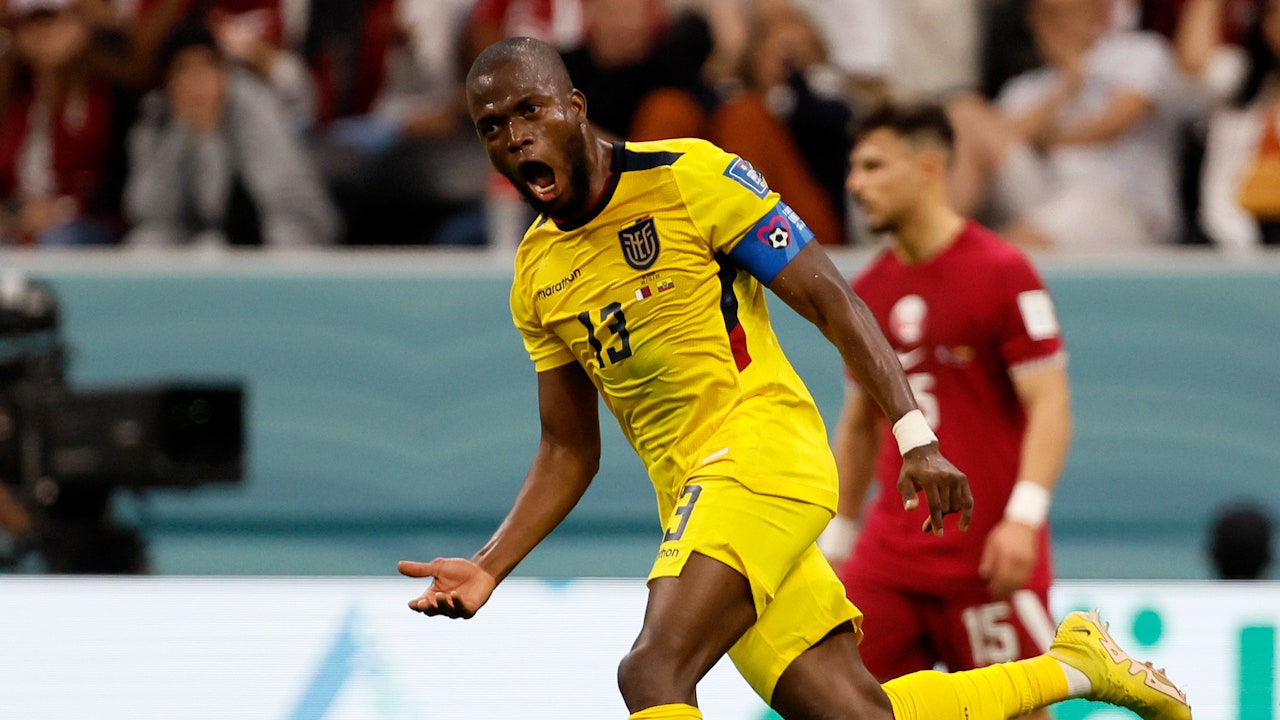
640 243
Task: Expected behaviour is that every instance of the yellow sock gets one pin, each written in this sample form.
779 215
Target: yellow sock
997 692
668 712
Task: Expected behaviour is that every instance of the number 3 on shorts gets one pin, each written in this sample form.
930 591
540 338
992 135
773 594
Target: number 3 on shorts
684 511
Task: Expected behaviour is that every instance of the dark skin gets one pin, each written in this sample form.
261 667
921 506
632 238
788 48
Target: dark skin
534 127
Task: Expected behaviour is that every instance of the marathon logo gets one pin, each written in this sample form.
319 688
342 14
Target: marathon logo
550 290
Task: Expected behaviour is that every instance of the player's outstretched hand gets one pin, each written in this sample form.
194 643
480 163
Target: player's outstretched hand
458 587
945 487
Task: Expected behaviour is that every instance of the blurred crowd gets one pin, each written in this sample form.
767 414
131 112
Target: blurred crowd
1081 124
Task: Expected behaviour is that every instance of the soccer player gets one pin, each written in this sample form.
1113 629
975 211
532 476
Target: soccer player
976 333
642 281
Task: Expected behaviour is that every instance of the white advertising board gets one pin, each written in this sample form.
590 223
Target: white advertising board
349 649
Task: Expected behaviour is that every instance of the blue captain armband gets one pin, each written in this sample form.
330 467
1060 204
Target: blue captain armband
769 245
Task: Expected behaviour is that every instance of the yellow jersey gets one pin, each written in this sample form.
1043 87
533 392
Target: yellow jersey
658 292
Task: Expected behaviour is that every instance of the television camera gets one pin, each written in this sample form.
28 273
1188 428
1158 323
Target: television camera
65 451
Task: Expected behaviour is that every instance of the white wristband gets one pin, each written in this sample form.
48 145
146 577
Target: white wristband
1028 504
836 541
912 431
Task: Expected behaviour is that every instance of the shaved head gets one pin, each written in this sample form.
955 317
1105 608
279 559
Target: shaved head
535 61
534 126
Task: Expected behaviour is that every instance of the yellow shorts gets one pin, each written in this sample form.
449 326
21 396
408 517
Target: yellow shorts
770 540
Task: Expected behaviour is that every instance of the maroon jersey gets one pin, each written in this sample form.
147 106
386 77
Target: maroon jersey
961 324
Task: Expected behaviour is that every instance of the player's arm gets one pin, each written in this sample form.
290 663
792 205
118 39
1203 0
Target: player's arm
1045 395
1010 552
855 443
567 458
814 288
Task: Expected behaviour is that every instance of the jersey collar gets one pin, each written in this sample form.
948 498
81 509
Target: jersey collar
617 164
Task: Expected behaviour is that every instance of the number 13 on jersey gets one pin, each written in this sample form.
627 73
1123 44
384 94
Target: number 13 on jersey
611 318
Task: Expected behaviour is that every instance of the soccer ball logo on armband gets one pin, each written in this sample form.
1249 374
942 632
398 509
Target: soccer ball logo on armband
776 234
779 237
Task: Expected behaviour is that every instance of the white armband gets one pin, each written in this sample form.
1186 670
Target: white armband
913 431
836 541
1028 504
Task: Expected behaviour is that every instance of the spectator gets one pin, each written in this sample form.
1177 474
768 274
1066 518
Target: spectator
252 39
395 146
616 63
143 26
1240 181
859 37
1240 543
790 122
935 48
684 98
556 22
345 46
214 161
1208 38
1081 154
60 128
913 50
1007 48
727 22
645 67
908 50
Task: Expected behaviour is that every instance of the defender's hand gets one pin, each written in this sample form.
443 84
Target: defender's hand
1008 558
945 488
458 587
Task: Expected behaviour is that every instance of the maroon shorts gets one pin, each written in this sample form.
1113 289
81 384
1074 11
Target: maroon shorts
905 632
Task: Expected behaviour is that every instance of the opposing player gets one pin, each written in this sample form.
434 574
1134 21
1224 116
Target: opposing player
976 333
643 282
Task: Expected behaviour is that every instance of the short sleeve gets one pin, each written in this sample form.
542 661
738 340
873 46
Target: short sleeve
731 205
1028 327
544 347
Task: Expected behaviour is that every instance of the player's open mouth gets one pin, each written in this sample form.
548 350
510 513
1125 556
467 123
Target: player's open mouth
540 179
